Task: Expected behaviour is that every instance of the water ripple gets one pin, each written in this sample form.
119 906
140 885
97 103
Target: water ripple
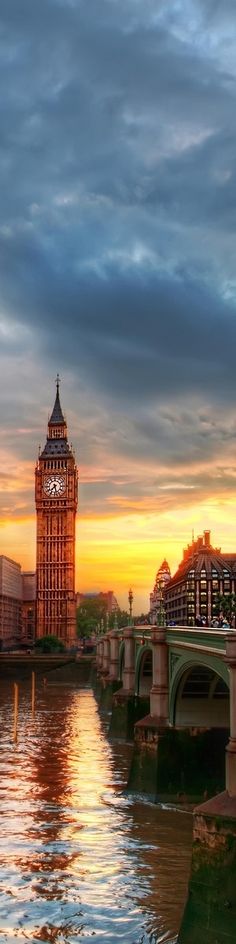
79 858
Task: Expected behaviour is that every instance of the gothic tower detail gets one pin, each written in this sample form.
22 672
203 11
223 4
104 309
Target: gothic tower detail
56 490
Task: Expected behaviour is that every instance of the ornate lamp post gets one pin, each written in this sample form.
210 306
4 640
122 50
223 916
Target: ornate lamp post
130 598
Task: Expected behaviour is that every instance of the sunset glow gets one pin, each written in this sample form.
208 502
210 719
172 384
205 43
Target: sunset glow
113 552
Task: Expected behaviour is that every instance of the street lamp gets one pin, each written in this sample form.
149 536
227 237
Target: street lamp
130 598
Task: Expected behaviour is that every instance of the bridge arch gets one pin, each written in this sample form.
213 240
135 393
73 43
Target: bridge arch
143 671
199 694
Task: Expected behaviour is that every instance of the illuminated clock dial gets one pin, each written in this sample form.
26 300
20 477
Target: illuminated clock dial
54 485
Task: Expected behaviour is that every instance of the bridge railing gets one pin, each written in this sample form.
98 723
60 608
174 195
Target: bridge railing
195 635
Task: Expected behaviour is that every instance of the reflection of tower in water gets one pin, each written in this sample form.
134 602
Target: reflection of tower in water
50 789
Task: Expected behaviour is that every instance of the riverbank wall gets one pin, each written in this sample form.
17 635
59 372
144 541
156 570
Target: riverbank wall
62 668
210 911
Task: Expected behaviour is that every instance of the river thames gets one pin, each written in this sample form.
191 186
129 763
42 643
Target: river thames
79 857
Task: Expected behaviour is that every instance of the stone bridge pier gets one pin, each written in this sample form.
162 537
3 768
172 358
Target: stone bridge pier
151 749
159 694
127 705
107 665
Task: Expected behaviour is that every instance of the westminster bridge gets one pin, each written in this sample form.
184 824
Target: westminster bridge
186 673
175 689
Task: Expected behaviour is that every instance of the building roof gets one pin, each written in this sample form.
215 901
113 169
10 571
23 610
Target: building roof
201 556
56 447
57 442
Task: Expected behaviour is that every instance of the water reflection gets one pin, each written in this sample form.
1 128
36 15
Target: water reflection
77 857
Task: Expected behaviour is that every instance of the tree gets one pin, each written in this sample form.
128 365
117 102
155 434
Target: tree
49 644
89 617
225 604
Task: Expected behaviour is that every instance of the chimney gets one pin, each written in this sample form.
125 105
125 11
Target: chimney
207 538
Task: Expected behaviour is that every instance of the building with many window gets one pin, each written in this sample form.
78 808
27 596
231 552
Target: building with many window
10 602
203 574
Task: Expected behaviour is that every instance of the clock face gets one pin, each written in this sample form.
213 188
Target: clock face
54 485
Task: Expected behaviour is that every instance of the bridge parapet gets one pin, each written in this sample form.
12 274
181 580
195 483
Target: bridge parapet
197 638
178 639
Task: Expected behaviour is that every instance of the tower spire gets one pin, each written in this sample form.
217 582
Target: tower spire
57 417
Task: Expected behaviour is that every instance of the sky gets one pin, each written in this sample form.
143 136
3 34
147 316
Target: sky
118 269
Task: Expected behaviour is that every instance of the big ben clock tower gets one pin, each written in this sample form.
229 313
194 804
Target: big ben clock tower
56 487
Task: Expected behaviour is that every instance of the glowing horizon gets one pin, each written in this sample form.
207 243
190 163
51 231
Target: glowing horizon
116 552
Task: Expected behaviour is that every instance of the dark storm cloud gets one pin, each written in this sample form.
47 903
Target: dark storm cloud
99 102
215 12
117 217
133 334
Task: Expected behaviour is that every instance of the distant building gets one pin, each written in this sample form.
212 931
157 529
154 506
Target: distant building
163 577
10 602
203 573
28 608
108 598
